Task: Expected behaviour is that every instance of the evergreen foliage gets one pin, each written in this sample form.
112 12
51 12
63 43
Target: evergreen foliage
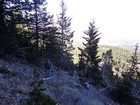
37 22
108 57
39 30
89 55
133 74
64 24
52 45
133 70
28 31
37 97
10 17
66 41
122 93
107 67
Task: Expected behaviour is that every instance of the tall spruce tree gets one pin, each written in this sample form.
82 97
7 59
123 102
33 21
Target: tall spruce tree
66 36
89 53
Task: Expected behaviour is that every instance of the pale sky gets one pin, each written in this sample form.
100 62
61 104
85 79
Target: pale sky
116 19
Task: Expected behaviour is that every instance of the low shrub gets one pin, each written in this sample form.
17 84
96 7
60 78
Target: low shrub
37 97
122 94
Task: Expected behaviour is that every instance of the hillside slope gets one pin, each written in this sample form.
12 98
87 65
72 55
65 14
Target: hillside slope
119 52
64 89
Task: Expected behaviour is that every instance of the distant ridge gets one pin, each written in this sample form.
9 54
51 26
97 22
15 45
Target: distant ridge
129 44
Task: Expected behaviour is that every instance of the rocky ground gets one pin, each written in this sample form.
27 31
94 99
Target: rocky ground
16 75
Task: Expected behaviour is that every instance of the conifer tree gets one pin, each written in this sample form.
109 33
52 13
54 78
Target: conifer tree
52 45
64 24
89 53
125 89
133 75
32 14
36 96
27 25
66 36
42 30
107 67
37 20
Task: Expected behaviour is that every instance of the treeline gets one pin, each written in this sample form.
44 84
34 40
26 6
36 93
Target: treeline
29 31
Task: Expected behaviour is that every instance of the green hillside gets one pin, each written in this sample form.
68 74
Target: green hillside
119 54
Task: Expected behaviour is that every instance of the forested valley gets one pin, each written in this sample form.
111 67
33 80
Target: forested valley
87 74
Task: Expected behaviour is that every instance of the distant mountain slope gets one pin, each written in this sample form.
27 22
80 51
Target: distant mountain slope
122 53
122 43
119 53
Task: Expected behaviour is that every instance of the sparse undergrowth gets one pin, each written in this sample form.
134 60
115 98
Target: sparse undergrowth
70 92
37 97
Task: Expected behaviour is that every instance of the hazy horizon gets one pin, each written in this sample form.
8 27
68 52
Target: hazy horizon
117 20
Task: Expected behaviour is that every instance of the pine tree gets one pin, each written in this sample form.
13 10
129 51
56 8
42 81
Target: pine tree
66 36
52 45
42 32
36 21
64 24
133 66
49 36
107 67
125 89
37 97
133 75
107 57
27 28
89 53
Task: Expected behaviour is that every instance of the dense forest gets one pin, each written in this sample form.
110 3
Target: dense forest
29 32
